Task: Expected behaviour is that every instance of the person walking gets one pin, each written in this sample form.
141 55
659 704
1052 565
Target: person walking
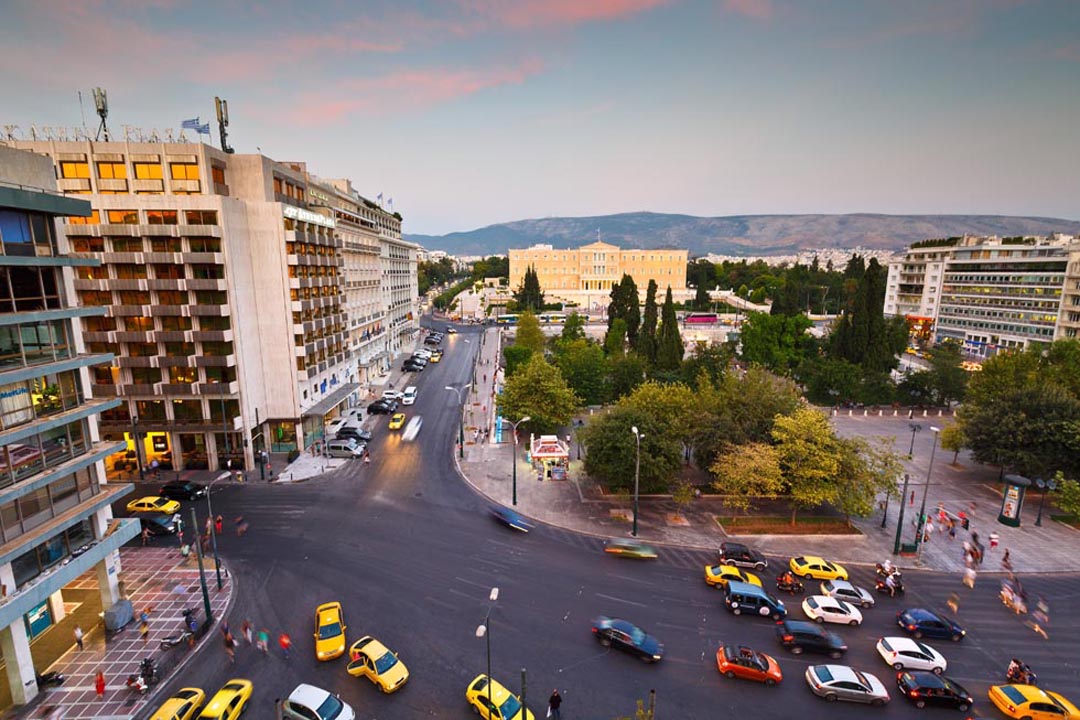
79 637
285 642
209 525
230 648
219 523
1006 561
994 539
263 642
554 703
144 631
99 685
145 536
246 630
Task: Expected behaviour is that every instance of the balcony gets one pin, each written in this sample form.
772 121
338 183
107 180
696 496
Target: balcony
148 186
178 388
97 285
137 362
230 388
167 361
78 185
170 311
139 285
212 335
101 337
203 258
185 186
194 284
166 284
135 337
139 389
104 391
215 361
212 310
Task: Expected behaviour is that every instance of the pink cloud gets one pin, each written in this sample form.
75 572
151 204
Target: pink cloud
756 9
521 14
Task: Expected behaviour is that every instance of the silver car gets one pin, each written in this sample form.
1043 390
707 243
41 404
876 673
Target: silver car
840 682
843 590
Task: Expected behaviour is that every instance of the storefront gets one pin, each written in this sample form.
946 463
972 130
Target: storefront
550 457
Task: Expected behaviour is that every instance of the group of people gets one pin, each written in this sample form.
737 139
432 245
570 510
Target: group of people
260 640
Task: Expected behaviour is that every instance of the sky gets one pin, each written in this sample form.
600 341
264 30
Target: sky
474 112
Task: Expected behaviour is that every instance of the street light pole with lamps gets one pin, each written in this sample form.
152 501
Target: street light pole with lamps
1046 486
637 474
461 424
515 426
484 631
915 427
926 490
213 524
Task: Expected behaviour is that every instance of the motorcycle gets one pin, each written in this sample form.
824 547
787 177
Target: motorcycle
49 679
793 587
884 572
172 641
1013 600
1021 674
137 684
882 587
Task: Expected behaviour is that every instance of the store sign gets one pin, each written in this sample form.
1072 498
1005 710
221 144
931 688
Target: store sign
307 216
16 405
38 620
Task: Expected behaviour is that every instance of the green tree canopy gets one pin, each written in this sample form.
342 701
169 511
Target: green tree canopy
612 450
516 358
742 472
539 390
776 342
529 295
672 404
810 457
669 350
624 306
574 328
528 334
627 372
615 339
866 470
586 370
712 360
647 337
949 379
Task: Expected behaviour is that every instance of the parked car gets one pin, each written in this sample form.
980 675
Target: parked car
354 433
926 688
411 366
382 407
183 490
740 555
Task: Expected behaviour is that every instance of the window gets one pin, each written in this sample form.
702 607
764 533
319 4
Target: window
139 324
142 349
130 272
277 186
127 244
148 171
211 322
88 244
208 272
161 217
99 272
145 376
94 219
172 297
161 245
96 297
122 217
183 375
200 217
112 170
175 324
168 272
218 174
205 244
70 169
99 324
184 171
179 349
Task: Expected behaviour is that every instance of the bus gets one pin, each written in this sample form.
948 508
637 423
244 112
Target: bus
552 318
701 319
506 320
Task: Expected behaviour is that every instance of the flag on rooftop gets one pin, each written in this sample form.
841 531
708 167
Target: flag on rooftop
190 124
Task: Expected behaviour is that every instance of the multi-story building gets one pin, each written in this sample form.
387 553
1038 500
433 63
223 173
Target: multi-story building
55 514
992 294
585 275
225 294
1068 326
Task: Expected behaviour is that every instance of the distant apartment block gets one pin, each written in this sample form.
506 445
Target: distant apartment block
990 294
247 301
585 275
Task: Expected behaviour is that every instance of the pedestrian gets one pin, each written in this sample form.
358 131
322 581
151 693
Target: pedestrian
144 631
246 629
230 648
554 702
1006 562
145 536
263 642
241 526
79 637
969 577
219 522
954 603
209 525
285 642
99 685
994 538
952 530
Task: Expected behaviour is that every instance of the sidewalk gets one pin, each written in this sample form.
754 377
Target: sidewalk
154 578
577 504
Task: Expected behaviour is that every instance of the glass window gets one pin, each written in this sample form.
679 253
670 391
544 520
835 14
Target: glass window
142 349
139 324
112 170
96 297
148 171
200 217
184 171
99 272
88 244
70 169
218 174
94 219
161 245
127 244
130 271
179 349
175 323
122 217
34 508
161 217
208 272
145 376
15 233
134 297
205 244
172 297
183 375
168 272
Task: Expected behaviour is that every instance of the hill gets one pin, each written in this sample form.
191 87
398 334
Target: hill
738 234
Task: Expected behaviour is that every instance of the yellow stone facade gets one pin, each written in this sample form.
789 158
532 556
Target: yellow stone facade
585 275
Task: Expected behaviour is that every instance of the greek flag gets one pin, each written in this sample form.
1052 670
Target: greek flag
191 124
203 129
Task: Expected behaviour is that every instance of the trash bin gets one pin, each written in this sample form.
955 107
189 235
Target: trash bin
909 548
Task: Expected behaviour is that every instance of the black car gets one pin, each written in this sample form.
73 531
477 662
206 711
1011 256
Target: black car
411 366
382 407
627 636
182 490
740 555
925 688
431 340
159 524
800 635
357 434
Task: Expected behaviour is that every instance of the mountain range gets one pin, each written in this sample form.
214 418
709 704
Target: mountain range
739 235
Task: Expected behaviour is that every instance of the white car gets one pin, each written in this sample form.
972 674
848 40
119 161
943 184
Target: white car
451 330
905 653
426 354
391 394
843 590
412 429
308 702
823 608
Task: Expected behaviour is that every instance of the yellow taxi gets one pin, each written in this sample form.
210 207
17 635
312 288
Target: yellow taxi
181 706
153 504
811 566
436 356
229 701
1028 701
718 576
491 701
397 420
329 631
371 659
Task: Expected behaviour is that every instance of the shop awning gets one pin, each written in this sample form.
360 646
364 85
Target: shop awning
549 447
332 400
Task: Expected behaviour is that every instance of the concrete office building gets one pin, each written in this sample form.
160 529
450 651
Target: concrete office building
55 513
225 293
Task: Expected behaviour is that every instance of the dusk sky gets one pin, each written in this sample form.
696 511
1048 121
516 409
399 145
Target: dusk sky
472 112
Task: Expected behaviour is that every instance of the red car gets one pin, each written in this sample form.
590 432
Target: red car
746 663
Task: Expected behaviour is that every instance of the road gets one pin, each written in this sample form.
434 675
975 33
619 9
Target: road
408 549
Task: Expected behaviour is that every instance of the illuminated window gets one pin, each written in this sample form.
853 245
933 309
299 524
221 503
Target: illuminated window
147 171
168 244
70 169
122 217
94 219
112 170
161 217
184 171
88 244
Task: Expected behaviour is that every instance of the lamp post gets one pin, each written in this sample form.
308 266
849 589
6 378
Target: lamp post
926 490
202 572
637 474
461 423
135 442
213 532
515 426
915 427
1046 486
483 631
900 518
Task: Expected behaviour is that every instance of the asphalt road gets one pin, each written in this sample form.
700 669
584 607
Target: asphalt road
409 550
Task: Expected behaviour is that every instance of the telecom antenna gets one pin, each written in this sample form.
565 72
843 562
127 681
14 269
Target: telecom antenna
101 102
223 122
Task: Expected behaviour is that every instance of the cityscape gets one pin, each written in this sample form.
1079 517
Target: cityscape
631 405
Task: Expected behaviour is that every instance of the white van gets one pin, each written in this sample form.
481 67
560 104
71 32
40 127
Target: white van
344 449
409 396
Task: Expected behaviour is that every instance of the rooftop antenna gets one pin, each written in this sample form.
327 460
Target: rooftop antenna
223 122
101 102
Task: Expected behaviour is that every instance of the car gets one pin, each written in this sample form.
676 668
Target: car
491 701
822 608
351 431
740 661
903 653
412 429
228 702
371 659
154 504
630 549
181 706
329 631
159 524
397 420
391 394
739 555
799 636
1028 701
411 366
183 490
924 623
429 340
717 576
382 407
436 356
308 702
510 518
629 637
843 590
926 688
840 682
422 353
811 566
450 330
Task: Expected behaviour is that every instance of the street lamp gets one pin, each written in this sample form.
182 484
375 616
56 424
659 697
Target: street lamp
900 518
135 443
926 490
213 533
915 427
637 474
1046 486
461 424
515 426
483 631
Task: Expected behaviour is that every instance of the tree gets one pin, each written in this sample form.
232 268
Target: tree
615 339
682 494
1068 495
702 301
810 458
862 335
647 337
866 470
627 372
916 388
491 267
631 309
528 333
669 350
516 357
612 450
712 360
586 370
948 378
539 390
671 405
574 328
776 342
743 472
529 296
952 439
829 381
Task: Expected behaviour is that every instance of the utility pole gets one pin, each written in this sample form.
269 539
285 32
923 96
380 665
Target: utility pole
202 572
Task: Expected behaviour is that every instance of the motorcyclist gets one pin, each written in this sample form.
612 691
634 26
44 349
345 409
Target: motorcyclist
1015 668
890 583
887 567
786 579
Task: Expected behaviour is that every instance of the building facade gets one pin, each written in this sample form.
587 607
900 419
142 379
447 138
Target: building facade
585 275
55 515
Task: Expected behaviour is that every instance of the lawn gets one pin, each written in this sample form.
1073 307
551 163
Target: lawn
775 525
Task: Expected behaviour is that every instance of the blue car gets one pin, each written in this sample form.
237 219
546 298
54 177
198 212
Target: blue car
923 623
510 519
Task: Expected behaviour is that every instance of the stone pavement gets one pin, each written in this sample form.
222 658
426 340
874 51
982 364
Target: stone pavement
156 579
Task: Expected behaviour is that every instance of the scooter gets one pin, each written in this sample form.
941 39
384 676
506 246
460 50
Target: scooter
1022 675
881 587
884 572
49 679
137 684
179 638
794 587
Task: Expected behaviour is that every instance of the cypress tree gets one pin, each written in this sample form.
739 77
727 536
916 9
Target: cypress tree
647 336
669 351
631 309
529 296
